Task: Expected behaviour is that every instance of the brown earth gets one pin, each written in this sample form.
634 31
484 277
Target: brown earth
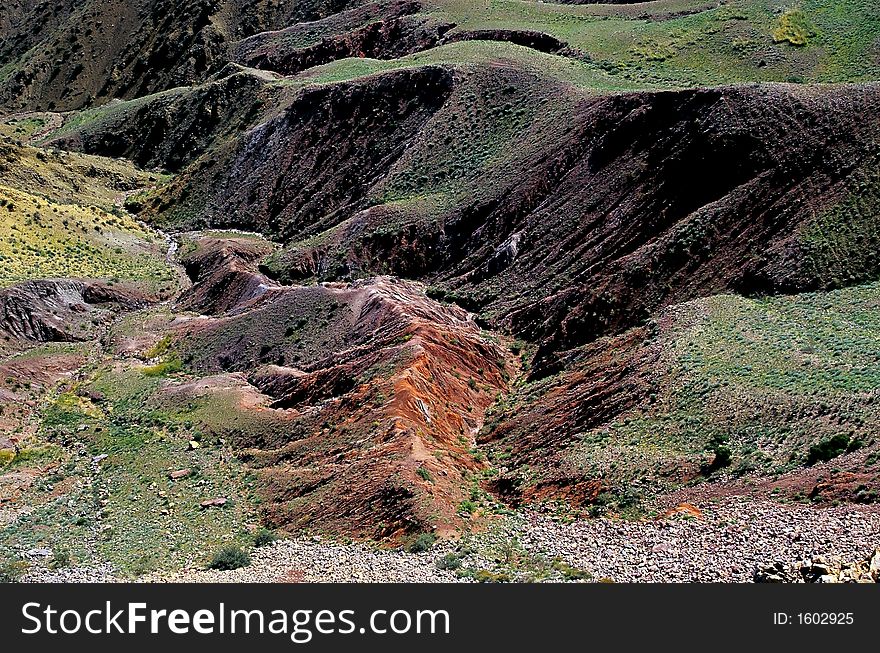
644 200
63 310
224 273
376 390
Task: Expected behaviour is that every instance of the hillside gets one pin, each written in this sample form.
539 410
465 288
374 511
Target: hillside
399 271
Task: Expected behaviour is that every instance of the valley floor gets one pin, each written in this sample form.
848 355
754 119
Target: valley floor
712 542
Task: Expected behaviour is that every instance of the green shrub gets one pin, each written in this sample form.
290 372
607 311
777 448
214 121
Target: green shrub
170 366
60 559
421 543
449 562
264 537
568 572
425 473
828 449
793 28
486 576
11 571
160 348
722 455
467 506
230 557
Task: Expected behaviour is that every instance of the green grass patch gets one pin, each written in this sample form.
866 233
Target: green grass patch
794 28
171 365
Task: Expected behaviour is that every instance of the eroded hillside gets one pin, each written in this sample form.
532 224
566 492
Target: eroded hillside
422 263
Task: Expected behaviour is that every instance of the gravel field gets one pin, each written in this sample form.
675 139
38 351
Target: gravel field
723 543
307 560
80 574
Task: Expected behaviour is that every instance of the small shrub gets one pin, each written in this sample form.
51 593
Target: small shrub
425 473
467 506
170 366
486 576
722 455
793 28
570 573
264 537
12 571
160 348
827 449
230 557
60 559
449 562
144 564
421 543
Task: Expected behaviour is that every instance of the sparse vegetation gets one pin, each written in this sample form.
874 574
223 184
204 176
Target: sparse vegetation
421 543
228 558
264 537
74 241
11 571
693 295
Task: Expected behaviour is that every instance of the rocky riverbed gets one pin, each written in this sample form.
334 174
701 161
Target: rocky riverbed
721 543
715 542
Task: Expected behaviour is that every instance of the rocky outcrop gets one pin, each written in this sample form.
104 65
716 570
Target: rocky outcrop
821 569
61 310
224 274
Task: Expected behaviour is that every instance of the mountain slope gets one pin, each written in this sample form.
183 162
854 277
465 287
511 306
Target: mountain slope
424 263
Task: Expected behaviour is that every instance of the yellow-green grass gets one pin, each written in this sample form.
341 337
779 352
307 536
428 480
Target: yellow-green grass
67 177
42 239
22 128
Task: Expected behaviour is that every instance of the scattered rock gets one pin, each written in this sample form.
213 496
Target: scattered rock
180 473
820 569
216 502
79 574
